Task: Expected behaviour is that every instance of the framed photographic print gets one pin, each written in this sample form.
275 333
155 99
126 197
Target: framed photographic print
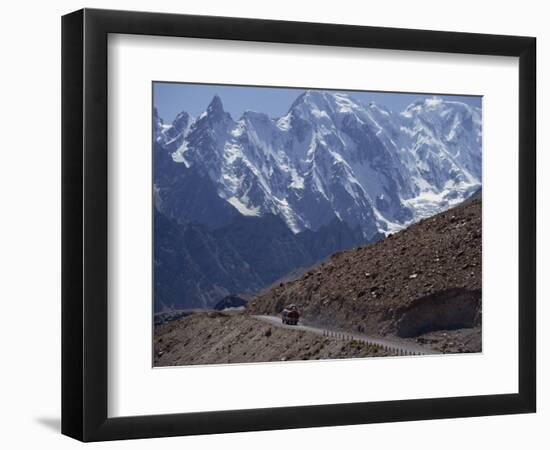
274 224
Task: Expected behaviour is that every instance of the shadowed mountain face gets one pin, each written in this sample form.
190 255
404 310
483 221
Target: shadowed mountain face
196 267
241 203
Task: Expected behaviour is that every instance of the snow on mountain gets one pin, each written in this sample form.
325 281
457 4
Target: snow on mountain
329 157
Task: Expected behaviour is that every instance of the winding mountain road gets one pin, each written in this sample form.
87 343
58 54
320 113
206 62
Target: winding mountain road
398 346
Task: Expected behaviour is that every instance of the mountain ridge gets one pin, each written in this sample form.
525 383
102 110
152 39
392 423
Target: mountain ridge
332 156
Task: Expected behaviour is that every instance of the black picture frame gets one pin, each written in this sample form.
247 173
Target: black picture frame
84 224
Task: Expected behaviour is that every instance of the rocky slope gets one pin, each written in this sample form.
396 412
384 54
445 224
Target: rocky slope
218 338
423 279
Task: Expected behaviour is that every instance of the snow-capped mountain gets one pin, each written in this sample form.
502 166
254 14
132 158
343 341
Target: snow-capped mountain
330 157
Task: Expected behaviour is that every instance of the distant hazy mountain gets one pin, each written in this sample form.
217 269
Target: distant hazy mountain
196 266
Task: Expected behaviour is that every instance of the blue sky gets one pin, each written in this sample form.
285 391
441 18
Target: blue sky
172 98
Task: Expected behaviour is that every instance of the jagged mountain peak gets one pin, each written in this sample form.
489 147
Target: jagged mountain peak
334 156
183 115
438 105
216 105
324 101
181 121
215 111
157 125
306 100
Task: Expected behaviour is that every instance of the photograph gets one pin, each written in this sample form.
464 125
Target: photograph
311 224
267 226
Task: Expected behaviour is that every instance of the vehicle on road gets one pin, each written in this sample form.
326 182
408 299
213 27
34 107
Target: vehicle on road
290 315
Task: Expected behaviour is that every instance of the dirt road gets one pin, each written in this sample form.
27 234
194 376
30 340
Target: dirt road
397 345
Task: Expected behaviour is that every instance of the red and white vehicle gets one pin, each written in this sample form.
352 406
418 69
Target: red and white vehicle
290 315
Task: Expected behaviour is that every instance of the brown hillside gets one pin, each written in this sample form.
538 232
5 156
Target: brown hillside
219 338
424 278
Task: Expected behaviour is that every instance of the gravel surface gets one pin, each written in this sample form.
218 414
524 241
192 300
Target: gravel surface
219 338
